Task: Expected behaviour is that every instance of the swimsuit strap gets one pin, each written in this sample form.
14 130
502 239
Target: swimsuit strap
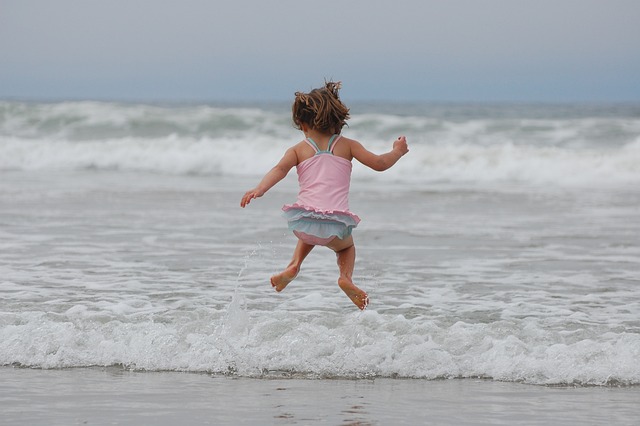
312 144
330 145
333 142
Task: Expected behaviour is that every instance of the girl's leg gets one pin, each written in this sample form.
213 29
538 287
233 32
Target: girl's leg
280 281
346 253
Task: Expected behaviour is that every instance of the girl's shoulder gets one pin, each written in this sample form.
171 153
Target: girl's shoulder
344 147
346 140
303 151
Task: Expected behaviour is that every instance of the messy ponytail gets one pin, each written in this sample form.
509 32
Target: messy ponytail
321 109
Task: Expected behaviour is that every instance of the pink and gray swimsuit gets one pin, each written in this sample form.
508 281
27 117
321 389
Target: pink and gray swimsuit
321 212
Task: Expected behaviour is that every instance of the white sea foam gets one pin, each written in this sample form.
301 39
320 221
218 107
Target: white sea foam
357 345
168 277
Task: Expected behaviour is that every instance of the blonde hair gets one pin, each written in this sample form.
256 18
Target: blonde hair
321 109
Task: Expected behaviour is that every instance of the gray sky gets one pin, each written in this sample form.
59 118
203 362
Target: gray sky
402 50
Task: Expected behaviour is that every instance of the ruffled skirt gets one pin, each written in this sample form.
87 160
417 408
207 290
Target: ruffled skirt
317 227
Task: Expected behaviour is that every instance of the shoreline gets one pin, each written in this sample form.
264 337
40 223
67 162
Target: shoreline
112 395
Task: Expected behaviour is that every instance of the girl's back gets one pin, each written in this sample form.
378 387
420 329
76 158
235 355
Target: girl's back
342 149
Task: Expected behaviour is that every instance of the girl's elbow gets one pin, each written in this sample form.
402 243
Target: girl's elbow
380 166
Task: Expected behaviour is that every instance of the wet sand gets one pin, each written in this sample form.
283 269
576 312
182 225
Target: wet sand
113 396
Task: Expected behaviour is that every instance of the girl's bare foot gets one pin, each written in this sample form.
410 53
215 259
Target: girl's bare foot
280 281
357 296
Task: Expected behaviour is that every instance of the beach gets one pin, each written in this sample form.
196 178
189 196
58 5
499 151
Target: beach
501 257
113 396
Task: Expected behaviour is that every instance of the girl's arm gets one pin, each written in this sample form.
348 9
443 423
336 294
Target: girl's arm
381 162
275 175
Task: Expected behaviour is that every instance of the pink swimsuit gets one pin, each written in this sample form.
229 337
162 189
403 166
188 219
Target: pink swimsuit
321 212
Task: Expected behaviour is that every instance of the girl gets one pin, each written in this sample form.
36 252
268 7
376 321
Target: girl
321 214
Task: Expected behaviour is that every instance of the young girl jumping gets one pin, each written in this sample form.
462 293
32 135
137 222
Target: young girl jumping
321 214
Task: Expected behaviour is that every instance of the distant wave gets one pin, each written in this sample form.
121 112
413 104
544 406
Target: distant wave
489 146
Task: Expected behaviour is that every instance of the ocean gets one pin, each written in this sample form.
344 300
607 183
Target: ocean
504 248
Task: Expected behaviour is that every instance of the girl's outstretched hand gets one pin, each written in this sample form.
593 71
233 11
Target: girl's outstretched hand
400 144
250 195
